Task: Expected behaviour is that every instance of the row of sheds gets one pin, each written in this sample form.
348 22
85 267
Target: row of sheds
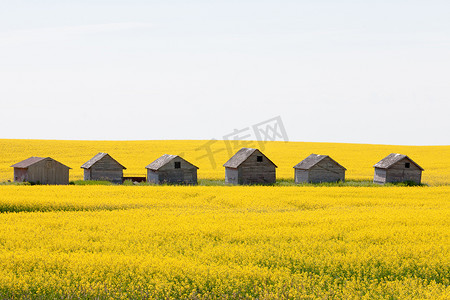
247 166
251 166
46 170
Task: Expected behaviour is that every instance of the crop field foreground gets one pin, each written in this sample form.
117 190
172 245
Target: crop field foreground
224 242
168 242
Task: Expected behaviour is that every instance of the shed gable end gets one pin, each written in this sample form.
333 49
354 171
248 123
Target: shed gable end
405 163
257 158
107 163
178 163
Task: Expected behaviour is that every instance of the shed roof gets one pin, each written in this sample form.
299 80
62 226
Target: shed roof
96 158
242 155
28 162
312 160
31 161
392 159
164 160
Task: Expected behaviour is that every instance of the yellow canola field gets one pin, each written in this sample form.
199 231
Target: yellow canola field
135 155
169 242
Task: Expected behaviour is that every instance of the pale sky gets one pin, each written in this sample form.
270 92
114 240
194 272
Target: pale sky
335 71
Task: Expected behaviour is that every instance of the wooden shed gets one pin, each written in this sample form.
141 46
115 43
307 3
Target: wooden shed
41 170
103 167
397 168
171 169
319 168
250 166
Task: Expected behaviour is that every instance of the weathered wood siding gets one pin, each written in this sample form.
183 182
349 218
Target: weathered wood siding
326 171
152 176
177 176
379 176
20 175
253 172
87 174
301 176
48 171
186 174
107 169
399 173
231 175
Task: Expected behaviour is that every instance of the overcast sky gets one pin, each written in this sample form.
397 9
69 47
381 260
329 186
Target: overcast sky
335 71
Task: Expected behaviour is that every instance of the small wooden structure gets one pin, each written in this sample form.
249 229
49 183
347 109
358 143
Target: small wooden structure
397 168
103 167
250 166
41 170
171 169
319 168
